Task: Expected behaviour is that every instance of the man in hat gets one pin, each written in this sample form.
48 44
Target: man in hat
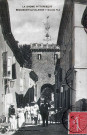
12 117
44 112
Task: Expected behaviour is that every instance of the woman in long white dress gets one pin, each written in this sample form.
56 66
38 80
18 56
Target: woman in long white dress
28 114
21 118
32 114
35 112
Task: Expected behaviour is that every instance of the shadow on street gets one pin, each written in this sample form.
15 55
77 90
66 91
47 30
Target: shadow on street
52 129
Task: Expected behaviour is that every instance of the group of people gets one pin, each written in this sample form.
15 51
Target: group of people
29 114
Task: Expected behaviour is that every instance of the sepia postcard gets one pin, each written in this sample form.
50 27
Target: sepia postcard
43 67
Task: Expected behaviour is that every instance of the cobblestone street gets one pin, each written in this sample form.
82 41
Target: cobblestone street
55 129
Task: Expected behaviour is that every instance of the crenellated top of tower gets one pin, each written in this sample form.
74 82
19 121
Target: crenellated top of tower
43 46
40 47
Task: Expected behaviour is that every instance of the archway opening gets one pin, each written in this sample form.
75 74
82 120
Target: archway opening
47 92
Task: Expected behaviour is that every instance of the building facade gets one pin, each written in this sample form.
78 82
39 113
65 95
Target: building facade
73 43
15 79
44 58
58 81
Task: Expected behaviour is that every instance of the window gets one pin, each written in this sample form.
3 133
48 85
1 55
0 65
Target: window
39 56
55 56
9 67
4 64
14 71
49 75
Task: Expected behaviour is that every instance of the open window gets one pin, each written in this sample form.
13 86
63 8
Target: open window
39 56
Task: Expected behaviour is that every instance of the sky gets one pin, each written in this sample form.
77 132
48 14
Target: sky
28 26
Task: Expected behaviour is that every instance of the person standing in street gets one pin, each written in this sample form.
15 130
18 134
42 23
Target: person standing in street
36 108
12 118
44 112
32 114
28 114
21 118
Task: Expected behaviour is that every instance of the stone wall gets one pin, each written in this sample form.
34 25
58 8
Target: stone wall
44 68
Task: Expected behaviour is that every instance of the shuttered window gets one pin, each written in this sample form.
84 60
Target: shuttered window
39 56
9 67
4 64
14 71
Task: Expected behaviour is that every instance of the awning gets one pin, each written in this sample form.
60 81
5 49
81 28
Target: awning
19 100
33 76
84 18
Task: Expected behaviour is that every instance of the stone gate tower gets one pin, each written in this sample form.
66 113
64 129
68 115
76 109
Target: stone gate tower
44 58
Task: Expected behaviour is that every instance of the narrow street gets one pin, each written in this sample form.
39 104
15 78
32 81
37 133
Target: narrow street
54 129
43 60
